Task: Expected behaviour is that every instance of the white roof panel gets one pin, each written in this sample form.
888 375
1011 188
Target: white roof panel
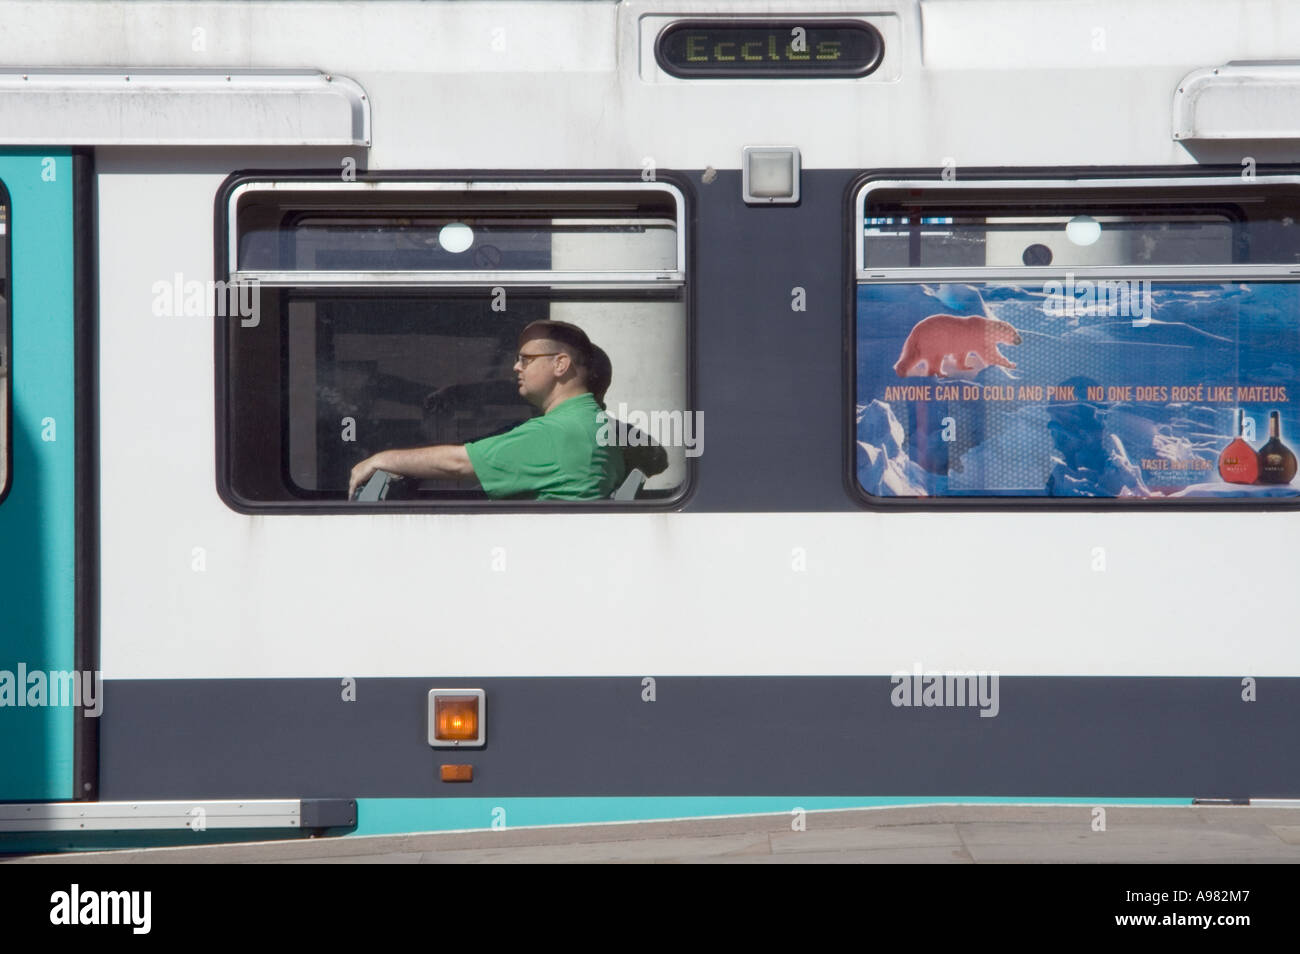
181 108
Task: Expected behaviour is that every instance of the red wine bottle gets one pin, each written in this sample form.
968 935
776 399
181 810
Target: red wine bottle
1277 464
1238 463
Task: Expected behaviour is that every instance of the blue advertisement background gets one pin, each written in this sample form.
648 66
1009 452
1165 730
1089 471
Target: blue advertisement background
1174 335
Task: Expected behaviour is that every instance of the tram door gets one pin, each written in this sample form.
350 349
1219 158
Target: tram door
38 501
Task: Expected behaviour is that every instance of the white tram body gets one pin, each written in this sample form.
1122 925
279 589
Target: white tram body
768 598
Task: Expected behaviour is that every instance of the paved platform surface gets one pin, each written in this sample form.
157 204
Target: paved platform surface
944 834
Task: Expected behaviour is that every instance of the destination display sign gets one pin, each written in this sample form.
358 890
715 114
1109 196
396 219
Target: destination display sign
701 49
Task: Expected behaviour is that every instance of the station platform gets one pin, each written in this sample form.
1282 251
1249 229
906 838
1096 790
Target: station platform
939 834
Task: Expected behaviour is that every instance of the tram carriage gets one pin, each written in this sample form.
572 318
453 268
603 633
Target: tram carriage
962 339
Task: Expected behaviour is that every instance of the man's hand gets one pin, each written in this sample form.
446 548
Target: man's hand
363 472
442 461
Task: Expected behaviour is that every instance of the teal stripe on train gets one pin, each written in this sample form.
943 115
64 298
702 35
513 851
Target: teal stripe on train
390 816
37 556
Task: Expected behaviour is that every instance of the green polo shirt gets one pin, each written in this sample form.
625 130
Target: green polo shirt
552 457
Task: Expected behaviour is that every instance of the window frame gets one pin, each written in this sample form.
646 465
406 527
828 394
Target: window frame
578 182
1029 181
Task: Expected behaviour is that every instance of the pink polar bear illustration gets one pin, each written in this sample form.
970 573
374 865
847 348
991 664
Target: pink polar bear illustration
934 338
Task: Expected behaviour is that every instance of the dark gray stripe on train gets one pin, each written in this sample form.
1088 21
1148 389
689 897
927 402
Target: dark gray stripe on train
1087 737
770 380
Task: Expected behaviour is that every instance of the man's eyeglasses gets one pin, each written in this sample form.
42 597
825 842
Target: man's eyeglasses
522 359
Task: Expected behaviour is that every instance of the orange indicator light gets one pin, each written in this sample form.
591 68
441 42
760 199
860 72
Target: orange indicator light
455 718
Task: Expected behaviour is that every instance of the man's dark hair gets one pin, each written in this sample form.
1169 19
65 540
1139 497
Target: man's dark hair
600 374
569 337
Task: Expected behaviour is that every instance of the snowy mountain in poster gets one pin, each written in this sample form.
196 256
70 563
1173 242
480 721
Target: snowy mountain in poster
883 465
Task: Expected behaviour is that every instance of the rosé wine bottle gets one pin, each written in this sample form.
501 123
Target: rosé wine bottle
1238 463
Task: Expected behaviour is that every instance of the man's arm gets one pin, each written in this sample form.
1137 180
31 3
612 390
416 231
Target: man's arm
424 463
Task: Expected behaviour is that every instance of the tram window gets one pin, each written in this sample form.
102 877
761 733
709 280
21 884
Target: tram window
894 241
998 240
1070 227
612 231
413 242
1164 369
384 330
4 349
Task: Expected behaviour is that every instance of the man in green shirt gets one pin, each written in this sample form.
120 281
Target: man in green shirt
552 457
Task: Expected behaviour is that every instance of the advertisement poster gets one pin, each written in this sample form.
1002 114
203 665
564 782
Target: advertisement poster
1078 388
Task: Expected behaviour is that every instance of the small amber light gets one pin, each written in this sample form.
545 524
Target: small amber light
457 773
456 718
